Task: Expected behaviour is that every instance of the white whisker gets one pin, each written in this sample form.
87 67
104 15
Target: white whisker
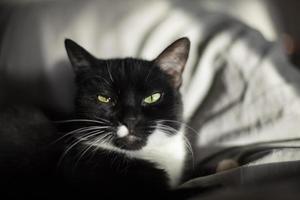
110 76
73 145
102 140
190 149
80 130
179 122
84 120
91 145
170 130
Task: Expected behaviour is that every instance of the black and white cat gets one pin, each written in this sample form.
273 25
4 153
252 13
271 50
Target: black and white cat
127 131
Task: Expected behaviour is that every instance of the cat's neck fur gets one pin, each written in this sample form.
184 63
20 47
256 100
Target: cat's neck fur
170 157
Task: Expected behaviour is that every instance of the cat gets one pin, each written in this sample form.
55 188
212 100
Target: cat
27 155
126 136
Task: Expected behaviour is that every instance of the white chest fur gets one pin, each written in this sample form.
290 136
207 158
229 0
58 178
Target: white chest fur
168 152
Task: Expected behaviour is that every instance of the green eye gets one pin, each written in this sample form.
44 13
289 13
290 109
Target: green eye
152 98
104 99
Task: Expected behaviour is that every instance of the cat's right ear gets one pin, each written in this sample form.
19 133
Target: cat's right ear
80 59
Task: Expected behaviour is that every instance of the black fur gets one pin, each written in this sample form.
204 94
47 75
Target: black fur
28 155
45 164
127 82
131 81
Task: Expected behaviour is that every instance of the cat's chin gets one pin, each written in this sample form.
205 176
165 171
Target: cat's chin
129 142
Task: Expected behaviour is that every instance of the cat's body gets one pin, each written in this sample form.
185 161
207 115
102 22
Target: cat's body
28 155
30 164
151 171
113 175
126 134
125 137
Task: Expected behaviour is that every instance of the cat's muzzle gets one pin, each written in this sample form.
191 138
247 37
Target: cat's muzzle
129 142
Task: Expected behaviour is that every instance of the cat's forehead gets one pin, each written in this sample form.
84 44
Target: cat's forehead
128 67
131 74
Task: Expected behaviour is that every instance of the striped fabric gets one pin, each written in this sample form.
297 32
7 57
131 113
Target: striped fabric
239 88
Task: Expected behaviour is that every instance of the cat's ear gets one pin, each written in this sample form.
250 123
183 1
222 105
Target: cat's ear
173 59
80 59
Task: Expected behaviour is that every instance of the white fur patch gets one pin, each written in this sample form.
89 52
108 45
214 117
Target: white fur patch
122 131
168 152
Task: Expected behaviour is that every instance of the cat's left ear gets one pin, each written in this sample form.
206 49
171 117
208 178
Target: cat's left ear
173 59
80 58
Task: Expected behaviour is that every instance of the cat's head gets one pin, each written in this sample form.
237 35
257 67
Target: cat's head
124 101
